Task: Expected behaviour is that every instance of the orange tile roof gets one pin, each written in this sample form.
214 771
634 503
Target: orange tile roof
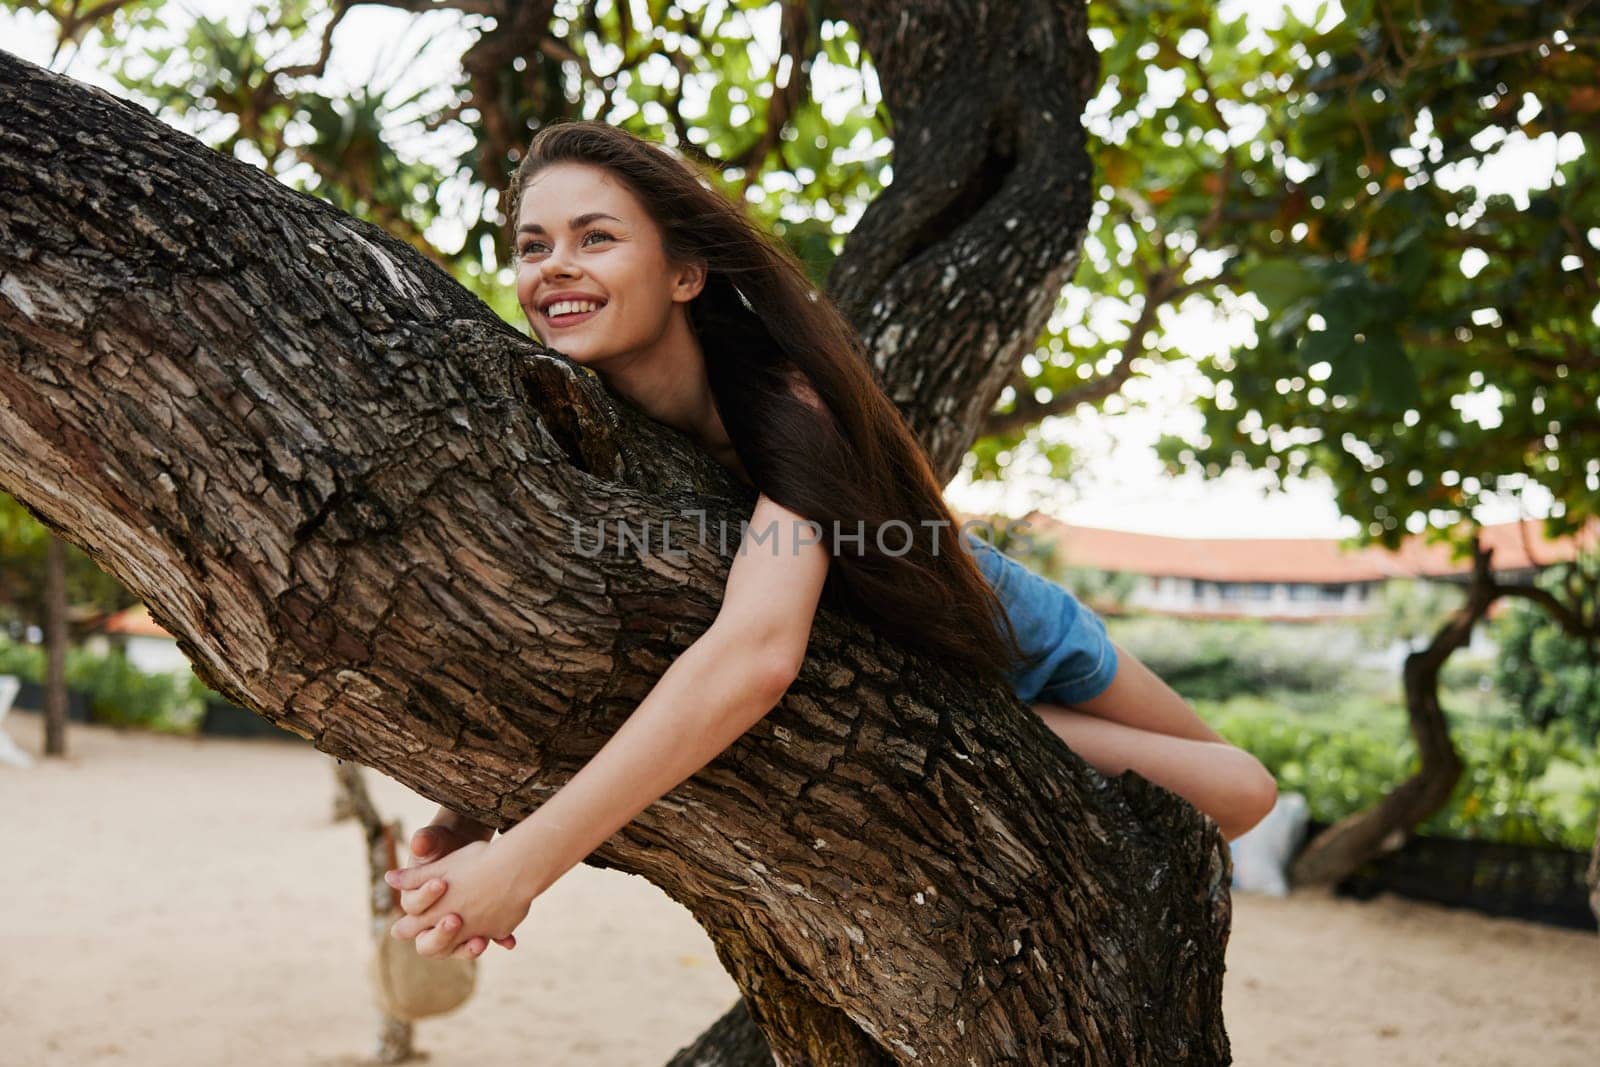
134 622
1296 559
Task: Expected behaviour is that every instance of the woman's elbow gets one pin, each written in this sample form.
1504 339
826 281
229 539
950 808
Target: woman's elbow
778 669
773 662
1257 792
766 664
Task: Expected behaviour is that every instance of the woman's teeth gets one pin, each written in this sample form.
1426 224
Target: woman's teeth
570 307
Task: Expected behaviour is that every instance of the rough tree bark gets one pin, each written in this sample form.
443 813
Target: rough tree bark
350 492
951 274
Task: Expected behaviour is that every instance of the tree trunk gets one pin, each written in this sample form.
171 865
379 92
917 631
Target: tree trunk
351 800
952 273
1336 852
350 492
55 647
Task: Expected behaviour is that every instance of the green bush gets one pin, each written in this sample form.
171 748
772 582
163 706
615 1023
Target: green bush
1462 671
1218 660
1546 674
119 693
1519 785
24 661
122 695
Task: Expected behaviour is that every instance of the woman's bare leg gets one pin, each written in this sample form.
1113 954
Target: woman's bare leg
1225 782
1138 697
1140 723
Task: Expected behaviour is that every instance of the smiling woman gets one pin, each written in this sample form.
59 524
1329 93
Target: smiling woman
630 263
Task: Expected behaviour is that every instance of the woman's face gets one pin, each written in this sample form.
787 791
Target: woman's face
593 277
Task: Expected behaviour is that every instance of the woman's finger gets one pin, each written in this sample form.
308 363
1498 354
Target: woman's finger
408 927
470 950
417 901
507 942
438 942
429 843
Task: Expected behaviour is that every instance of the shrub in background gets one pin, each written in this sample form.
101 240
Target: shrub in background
1218 660
120 694
1519 785
1545 674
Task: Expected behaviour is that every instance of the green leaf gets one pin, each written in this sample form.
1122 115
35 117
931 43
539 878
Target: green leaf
1394 379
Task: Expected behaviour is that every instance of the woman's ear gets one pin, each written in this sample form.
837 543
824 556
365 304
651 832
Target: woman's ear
690 279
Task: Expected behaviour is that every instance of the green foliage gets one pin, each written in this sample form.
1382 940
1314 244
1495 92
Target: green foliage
1421 338
1104 590
1218 660
1519 786
1357 221
119 693
1411 610
430 164
122 695
1339 766
23 545
1549 677
1472 674
24 661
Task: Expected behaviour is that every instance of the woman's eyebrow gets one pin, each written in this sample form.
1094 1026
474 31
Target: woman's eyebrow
573 223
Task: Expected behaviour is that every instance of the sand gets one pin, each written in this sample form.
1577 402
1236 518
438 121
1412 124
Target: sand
174 901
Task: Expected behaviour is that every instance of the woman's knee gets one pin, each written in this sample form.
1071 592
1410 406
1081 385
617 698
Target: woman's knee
1255 788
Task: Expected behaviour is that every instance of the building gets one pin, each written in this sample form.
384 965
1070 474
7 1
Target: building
1289 579
147 646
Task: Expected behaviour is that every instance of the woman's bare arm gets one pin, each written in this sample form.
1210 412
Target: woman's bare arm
720 686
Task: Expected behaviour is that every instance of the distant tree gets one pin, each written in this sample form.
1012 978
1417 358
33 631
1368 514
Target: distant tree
91 593
1545 672
51 584
690 73
1421 343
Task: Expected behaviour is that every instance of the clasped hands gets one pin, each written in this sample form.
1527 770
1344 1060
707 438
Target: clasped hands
459 894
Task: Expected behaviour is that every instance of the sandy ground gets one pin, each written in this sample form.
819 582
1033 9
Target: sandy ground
172 902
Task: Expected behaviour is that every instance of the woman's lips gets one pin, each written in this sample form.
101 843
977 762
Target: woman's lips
561 322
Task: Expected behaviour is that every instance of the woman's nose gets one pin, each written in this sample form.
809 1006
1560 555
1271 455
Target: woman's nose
557 265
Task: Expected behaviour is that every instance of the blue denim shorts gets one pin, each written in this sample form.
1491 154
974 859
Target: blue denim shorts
1075 658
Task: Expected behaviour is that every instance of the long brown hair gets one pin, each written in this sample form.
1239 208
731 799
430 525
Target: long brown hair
764 329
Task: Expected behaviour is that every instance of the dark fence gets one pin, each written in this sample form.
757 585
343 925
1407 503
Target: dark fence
222 719
1516 881
30 697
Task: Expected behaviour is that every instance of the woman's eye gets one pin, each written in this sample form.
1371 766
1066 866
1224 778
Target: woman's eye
538 246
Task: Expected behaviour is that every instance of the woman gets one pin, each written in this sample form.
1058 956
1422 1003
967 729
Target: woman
633 265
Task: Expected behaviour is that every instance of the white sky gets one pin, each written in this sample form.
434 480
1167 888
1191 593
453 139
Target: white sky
1122 485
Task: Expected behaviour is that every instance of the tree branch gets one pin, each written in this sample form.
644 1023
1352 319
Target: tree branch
350 491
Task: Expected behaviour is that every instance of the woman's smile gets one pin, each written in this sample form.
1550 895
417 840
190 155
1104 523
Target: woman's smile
560 318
